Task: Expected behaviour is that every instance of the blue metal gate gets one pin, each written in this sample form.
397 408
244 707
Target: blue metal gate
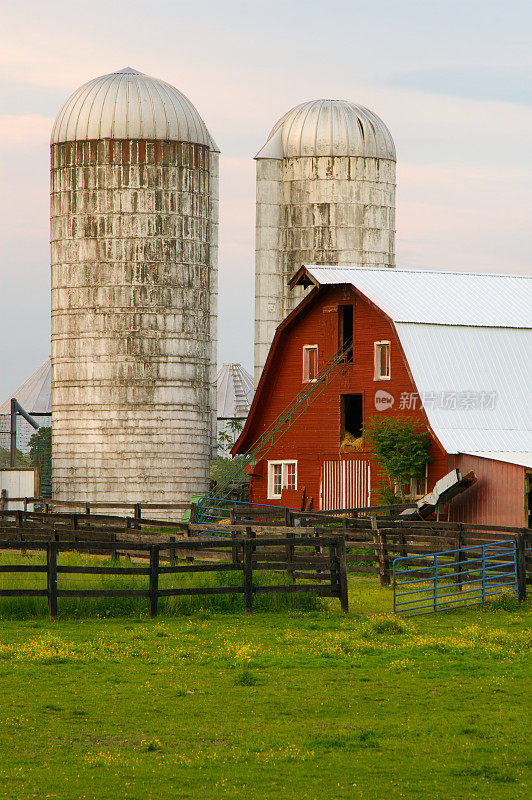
453 578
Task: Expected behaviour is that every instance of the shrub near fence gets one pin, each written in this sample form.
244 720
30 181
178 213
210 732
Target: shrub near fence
298 558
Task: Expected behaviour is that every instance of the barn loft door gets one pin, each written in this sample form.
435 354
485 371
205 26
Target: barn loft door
345 484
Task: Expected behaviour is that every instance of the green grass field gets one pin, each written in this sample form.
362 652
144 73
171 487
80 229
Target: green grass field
290 704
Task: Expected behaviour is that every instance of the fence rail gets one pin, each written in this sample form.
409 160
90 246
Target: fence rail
309 558
47 505
372 543
454 578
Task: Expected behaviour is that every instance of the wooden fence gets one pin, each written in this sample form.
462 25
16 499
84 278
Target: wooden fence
137 509
322 560
372 550
286 516
372 543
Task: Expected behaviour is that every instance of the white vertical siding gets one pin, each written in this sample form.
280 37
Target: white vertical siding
345 484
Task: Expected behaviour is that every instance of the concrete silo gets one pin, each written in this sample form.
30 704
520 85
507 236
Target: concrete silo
134 218
325 195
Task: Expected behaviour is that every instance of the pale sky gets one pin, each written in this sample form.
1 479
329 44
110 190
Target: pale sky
452 80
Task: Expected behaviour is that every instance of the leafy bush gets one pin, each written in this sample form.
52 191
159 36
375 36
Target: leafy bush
21 459
41 445
246 677
386 623
504 601
400 445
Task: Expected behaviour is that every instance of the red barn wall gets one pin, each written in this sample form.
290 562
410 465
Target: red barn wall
497 498
315 436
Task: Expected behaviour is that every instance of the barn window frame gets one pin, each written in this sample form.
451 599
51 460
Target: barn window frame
380 374
307 350
275 487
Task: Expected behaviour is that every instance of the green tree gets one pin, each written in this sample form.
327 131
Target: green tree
41 445
21 460
401 448
228 436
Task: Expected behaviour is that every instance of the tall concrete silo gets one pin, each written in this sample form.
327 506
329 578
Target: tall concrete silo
325 195
134 218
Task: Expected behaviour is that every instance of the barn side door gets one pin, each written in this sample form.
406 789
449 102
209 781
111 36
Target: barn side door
345 484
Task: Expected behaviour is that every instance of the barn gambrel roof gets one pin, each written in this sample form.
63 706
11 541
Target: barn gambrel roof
467 339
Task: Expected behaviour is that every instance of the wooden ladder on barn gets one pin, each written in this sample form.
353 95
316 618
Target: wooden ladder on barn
284 421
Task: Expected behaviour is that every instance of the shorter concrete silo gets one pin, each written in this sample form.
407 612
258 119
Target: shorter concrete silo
325 195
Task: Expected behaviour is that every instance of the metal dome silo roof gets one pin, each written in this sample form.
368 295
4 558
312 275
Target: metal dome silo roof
35 394
130 105
235 392
329 128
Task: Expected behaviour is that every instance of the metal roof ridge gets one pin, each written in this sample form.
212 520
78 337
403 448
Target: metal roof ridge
402 270
461 324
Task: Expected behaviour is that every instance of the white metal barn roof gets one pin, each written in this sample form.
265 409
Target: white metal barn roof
329 128
130 105
468 342
521 459
35 394
439 298
234 392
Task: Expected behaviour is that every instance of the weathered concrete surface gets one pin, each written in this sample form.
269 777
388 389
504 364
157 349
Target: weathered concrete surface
134 282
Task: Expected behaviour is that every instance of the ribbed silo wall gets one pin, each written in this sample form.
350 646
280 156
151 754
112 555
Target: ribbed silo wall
316 210
134 242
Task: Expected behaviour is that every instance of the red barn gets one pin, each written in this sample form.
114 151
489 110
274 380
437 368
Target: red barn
452 350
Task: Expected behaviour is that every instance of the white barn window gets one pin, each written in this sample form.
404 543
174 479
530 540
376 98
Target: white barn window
281 475
310 362
382 361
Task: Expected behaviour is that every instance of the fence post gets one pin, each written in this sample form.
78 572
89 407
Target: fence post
137 516
380 552
188 536
193 513
154 579
248 574
342 575
435 583
334 569
395 589
51 576
375 537
458 557
318 553
483 585
290 558
520 566
385 560
234 548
